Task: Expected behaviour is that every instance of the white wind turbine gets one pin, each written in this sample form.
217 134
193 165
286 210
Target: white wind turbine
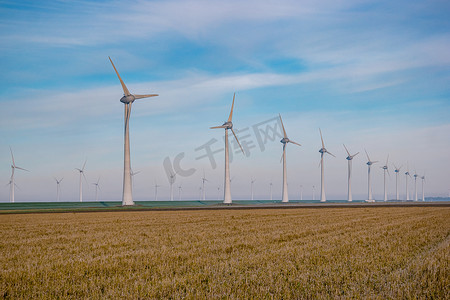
369 186
423 191
285 140
172 178
349 159
58 188
132 173
97 187
301 192
179 192
203 185
406 175
228 125
271 188
127 99
81 182
415 186
218 193
322 151
11 181
397 171
252 181
385 169
156 190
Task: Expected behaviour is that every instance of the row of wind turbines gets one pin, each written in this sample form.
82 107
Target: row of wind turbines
127 198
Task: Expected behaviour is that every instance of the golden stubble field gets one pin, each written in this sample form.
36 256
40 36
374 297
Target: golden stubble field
282 254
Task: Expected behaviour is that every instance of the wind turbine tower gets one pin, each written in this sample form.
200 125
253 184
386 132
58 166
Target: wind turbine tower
301 192
156 190
171 181
349 158
203 186
322 151
369 186
81 181
228 125
285 140
415 186
179 192
11 181
397 171
271 194
423 191
385 169
406 175
251 186
97 187
127 99
58 188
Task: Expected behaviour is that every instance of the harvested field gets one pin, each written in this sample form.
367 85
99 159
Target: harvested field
377 252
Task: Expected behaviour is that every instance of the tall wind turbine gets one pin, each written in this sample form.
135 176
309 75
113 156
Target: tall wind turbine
11 181
415 185
228 125
179 192
285 140
156 190
81 182
58 188
203 185
97 187
322 151
423 191
397 171
406 175
369 186
127 99
385 169
349 158
271 194
251 186
171 181
301 192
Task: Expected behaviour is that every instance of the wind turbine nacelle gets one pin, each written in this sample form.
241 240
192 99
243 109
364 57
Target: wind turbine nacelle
284 140
322 150
369 163
227 125
127 99
349 158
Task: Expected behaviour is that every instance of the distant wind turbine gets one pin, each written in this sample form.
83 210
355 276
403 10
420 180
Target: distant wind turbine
228 125
314 192
369 185
322 151
58 188
415 186
406 175
385 169
397 171
301 192
179 192
203 185
97 187
423 191
172 178
271 194
127 99
285 140
11 181
81 182
251 184
218 193
156 190
349 159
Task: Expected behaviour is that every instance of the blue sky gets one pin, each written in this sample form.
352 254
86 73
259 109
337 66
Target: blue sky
372 75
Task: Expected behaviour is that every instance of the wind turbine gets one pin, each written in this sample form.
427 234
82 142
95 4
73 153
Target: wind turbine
11 181
406 175
179 192
301 192
228 125
415 185
97 187
397 171
350 158
322 151
251 185
171 181
314 192
423 191
385 168
203 185
285 140
369 186
156 190
58 188
81 182
218 193
271 194
127 99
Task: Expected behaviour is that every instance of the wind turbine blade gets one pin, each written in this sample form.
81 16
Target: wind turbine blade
124 87
232 107
237 140
387 160
284 131
12 156
323 145
368 158
22 169
346 150
331 154
145 96
291 141
82 169
78 170
355 154
373 162
215 127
